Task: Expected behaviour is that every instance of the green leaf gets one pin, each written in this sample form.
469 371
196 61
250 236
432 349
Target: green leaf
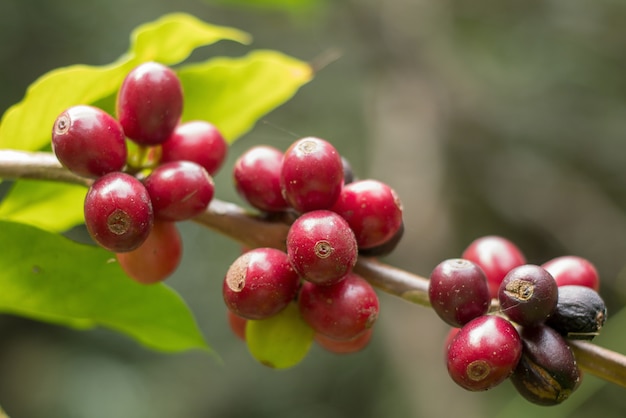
55 207
50 278
233 93
281 341
169 40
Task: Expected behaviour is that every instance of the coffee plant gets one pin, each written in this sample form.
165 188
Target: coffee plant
130 149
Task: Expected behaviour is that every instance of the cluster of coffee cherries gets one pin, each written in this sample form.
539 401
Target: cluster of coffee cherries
512 320
334 218
149 170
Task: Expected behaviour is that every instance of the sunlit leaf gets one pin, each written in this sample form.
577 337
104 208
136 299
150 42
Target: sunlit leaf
281 341
50 278
233 93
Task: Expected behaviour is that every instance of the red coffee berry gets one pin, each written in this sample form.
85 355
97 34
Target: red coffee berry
458 291
150 103
386 247
341 311
344 346
256 175
373 211
118 212
179 190
573 270
196 141
260 283
496 256
157 257
528 294
321 247
311 174
484 353
88 141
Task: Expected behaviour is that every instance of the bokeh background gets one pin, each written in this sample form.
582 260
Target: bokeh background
487 117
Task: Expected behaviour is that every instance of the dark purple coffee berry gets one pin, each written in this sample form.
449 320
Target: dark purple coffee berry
373 211
321 247
348 173
179 190
197 141
260 283
458 291
483 353
150 103
311 174
256 175
547 373
580 313
88 141
528 294
118 212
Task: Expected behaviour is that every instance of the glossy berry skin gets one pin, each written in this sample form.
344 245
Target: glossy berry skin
150 103
256 175
458 291
179 190
157 258
341 311
321 247
528 295
260 283
118 212
311 174
88 141
197 141
344 346
496 256
484 353
573 270
373 211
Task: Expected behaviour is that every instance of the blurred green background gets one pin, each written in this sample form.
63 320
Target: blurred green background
486 117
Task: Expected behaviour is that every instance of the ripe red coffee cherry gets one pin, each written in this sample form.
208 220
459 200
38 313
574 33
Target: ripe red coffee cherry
311 174
179 190
573 270
344 346
341 311
256 175
484 353
260 283
150 103
118 212
458 291
196 141
88 141
528 294
496 256
373 211
157 258
321 247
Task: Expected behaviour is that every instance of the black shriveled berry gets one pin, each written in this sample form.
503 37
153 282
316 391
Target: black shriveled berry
580 313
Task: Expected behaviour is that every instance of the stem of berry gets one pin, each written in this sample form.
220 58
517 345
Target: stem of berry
254 231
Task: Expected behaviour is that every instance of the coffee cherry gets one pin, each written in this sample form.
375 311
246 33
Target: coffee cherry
179 190
237 324
484 353
458 291
256 175
150 103
311 174
573 270
528 294
118 212
157 257
88 141
344 346
386 247
579 314
547 373
260 283
197 141
341 311
496 256
321 247
373 211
